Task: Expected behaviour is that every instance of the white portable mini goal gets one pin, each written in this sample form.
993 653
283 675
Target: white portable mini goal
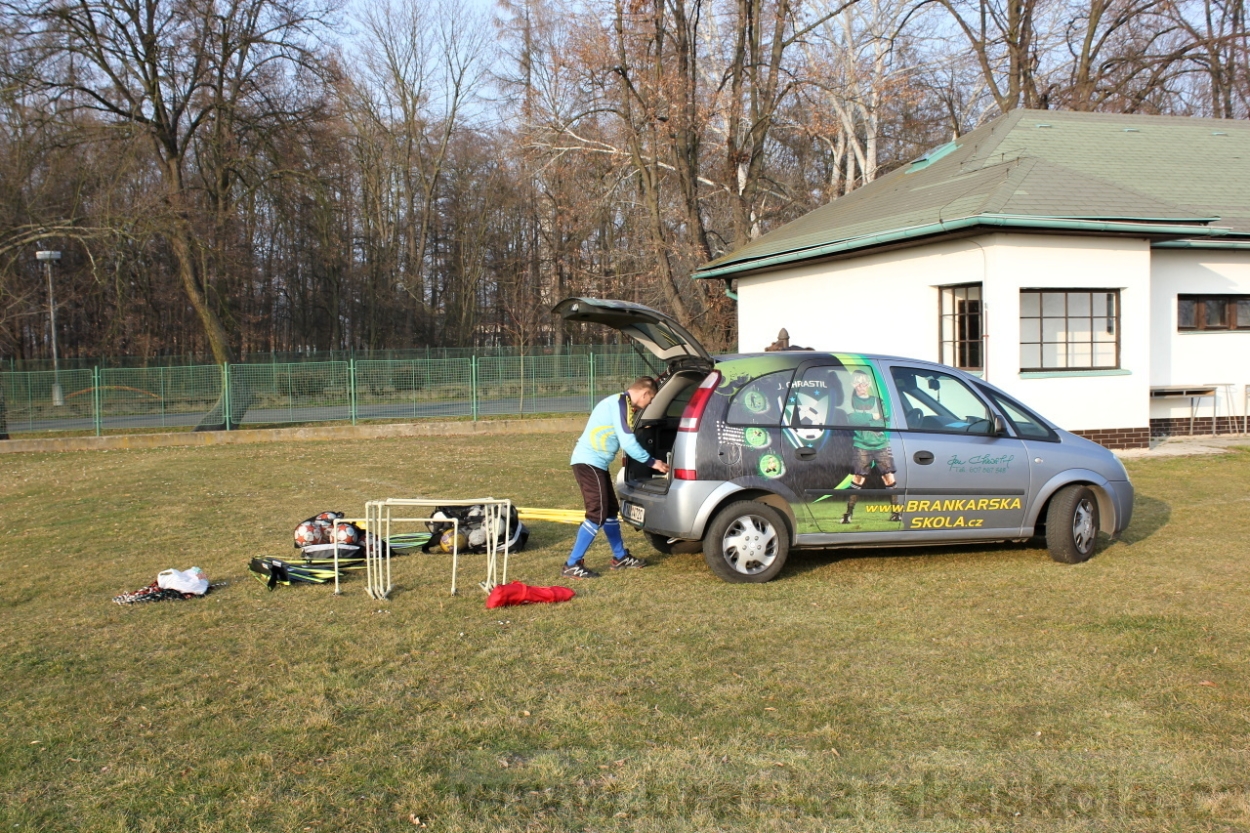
382 515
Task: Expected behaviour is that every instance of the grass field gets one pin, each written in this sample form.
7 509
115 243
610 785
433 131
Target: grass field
893 690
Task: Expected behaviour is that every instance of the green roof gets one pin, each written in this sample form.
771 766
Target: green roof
1174 180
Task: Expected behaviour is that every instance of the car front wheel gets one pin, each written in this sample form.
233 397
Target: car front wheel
747 542
1072 524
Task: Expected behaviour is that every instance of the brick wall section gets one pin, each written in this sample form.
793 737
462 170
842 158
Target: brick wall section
1179 426
1119 437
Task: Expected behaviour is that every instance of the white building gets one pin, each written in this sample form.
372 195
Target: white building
1096 266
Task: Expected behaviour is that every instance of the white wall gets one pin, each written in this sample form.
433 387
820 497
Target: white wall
1075 400
888 303
1197 358
884 303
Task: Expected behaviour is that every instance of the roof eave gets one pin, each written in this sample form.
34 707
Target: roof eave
1178 229
1237 243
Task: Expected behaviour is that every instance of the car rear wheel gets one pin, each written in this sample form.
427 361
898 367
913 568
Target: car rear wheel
1072 524
747 542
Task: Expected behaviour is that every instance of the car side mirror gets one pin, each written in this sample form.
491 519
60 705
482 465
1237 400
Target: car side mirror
1000 427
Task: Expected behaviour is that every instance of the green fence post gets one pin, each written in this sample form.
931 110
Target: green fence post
95 398
591 404
351 385
473 383
225 392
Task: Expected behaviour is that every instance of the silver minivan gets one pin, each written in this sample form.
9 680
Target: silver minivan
772 451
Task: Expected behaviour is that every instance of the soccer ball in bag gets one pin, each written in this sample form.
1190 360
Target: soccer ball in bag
346 534
309 533
451 539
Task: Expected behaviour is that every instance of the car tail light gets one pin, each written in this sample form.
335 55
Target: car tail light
693 413
685 474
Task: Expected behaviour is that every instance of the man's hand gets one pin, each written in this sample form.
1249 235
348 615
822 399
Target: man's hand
660 466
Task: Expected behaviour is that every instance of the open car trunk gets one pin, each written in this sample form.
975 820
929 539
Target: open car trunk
687 363
657 428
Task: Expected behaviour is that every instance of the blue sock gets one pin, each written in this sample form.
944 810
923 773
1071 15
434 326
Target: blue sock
612 529
585 537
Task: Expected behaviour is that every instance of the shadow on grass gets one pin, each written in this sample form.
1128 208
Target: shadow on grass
807 560
1149 516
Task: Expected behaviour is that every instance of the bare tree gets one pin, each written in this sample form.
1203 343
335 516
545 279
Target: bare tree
175 72
421 67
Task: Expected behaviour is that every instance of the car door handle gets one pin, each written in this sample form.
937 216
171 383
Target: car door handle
805 453
924 458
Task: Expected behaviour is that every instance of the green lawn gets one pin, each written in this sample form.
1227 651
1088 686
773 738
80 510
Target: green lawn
979 688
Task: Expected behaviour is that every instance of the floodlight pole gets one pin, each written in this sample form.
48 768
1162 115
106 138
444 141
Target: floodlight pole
46 256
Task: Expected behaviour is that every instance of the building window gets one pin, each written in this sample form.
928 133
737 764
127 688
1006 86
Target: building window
961 326
1062 329
1213 312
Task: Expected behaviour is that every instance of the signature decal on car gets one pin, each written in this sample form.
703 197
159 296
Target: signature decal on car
981 463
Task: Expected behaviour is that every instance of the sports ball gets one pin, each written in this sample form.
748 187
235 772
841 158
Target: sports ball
346 534
451 539
329 516
309 533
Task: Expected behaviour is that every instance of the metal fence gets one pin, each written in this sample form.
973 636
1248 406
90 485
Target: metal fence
16 365
126 399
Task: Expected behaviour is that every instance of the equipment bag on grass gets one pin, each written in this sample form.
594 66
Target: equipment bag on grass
470 525
322 529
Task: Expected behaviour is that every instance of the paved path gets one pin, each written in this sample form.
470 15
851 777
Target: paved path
1186 446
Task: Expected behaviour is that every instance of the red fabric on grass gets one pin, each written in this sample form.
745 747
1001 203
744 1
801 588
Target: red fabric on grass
516 593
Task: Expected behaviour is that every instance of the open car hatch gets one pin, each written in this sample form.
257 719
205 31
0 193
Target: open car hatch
659 334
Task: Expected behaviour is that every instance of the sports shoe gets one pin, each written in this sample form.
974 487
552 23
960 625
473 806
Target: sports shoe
846 519
578 570
627 561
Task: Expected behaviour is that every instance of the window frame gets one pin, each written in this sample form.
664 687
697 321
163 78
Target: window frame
959 346
1199 300
1068 316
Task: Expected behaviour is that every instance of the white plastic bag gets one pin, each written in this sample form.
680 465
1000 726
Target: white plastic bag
184 581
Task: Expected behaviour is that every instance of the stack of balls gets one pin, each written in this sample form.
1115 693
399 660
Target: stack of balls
321 529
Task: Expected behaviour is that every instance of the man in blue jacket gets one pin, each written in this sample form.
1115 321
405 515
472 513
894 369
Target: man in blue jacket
609 429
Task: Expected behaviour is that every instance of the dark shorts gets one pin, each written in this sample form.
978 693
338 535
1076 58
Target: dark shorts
866 458
597 493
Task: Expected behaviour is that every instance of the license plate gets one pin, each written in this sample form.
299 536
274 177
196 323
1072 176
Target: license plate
633 513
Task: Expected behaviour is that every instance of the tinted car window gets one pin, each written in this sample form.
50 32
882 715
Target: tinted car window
759 402
939 402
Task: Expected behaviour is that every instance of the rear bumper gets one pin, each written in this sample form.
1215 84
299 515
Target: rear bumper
677 514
